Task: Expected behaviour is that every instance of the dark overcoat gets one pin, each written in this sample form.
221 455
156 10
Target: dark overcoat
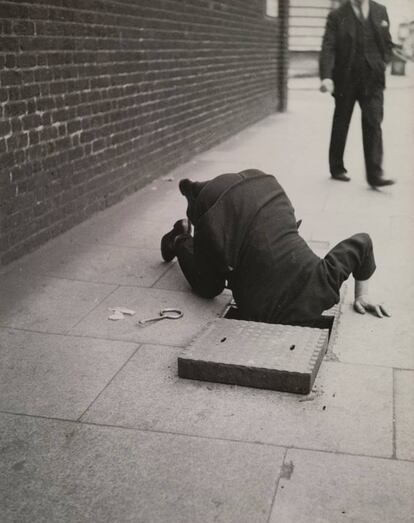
245 229
339 45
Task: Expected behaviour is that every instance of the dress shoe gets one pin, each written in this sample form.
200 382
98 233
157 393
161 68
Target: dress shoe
342 177
381 182
168 240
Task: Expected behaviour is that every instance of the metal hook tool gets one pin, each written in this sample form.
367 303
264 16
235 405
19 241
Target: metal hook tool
164 314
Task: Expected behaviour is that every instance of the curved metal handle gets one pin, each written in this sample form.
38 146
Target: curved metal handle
164 314
171 314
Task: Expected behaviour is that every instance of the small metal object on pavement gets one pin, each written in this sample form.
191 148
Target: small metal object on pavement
164 314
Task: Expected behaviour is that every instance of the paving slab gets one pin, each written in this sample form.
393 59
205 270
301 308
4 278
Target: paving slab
47 304
404 414
334 226
327 488
393 281
66 472
368 340
147 303
402 229
97 263
253 354
127 230
350 409
173 279
54 375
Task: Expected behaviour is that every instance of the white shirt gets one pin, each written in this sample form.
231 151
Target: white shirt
364 8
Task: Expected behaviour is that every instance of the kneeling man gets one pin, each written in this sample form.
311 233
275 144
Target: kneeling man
246 238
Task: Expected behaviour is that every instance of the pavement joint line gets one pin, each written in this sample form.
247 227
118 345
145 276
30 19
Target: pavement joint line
74 335
168 269
57 277
159 344
109 382
109 244
90 337
93 308
277 485
394 420
212 438
10 327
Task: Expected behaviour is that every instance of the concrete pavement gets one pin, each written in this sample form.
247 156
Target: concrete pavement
97 427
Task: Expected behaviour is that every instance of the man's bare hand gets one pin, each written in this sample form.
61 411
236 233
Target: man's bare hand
364 304
327 86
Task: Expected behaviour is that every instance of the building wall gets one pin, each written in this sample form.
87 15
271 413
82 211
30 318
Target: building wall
99 97
306 27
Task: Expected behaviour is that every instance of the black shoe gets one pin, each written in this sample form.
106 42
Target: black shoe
381 182
168 240
342 177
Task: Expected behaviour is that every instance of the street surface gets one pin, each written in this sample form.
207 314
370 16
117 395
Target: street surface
95 425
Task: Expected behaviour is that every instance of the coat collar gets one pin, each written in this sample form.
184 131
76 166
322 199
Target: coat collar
349 17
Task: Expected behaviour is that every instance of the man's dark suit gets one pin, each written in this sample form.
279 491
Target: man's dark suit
354 55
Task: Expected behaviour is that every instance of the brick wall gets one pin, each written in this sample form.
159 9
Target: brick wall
98 97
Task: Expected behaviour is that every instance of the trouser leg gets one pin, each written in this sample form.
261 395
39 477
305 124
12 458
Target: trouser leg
321 290
372 108
198 272
344 106
354 256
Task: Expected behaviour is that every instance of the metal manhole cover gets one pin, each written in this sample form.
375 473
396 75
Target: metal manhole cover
263 355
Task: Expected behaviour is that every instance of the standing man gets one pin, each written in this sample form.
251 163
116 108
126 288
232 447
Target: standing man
356 47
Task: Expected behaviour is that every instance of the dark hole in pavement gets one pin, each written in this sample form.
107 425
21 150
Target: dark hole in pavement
323 322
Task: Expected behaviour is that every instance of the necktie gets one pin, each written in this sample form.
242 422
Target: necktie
359 11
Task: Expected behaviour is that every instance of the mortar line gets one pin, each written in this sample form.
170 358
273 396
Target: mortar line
109 382
133 17
277 485
200 436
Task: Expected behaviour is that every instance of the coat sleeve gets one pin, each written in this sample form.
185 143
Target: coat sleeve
387 39
327 55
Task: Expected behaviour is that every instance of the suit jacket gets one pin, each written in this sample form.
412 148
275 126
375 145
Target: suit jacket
245 230
339 45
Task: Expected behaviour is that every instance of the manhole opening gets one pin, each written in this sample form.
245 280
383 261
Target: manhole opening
323 322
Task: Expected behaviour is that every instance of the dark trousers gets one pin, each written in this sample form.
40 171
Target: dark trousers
321 291
197 270
372 108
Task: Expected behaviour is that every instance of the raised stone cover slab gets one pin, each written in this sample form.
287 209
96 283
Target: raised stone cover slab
277 357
